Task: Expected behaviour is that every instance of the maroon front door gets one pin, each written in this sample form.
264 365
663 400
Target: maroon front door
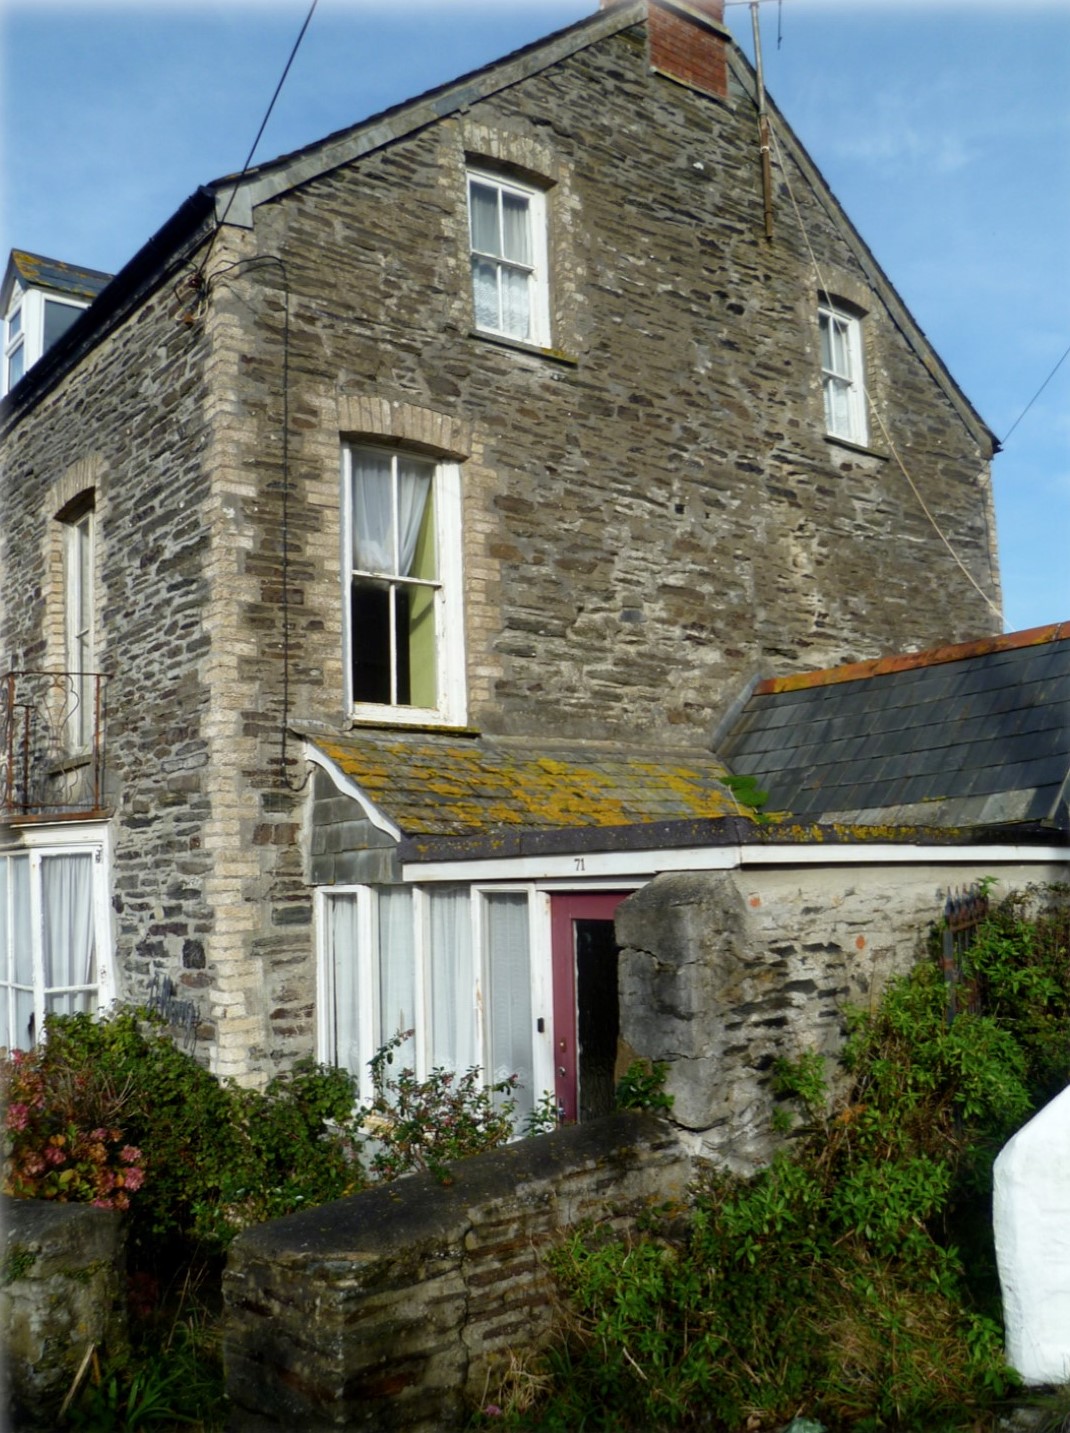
586 1012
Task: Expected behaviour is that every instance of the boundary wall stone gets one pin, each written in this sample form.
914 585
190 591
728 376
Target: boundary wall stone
387 1310
62 1294
723 972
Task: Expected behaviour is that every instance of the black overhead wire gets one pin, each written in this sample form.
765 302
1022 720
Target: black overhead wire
259 135
1036 395
236 269
200 281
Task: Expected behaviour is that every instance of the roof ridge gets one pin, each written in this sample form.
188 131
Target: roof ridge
908 661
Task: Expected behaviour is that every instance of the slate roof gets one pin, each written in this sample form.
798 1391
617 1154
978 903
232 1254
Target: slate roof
969 736
452 785
38 272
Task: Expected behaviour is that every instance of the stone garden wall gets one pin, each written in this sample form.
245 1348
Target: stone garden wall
62 1294
722 973
389 1310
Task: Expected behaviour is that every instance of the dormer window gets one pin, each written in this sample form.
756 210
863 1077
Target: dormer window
40 300
14 346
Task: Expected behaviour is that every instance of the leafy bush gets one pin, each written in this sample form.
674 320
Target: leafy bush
61 1133
426 1125
111 1111
189 1155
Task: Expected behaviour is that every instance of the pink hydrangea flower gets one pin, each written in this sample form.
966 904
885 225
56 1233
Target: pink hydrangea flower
18 1116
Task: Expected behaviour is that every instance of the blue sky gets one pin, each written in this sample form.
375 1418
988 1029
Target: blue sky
943 127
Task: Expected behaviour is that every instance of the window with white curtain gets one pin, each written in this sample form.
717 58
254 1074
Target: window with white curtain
404 612
451 963
52 935
507 228
842 377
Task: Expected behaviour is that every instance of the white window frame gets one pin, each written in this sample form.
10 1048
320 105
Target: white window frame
538 270
79 567
846 382
450 685
29 304
14 343
37 846
370 1034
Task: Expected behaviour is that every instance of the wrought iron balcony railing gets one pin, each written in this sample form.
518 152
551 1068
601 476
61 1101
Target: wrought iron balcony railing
51 744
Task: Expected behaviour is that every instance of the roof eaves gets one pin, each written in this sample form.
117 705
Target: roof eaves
788 830
910 661
238 195
577 840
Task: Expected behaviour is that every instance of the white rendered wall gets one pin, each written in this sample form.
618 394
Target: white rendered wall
1031 1212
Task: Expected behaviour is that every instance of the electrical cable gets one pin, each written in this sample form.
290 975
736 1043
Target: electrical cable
822 288
236 268
259 135
1036 395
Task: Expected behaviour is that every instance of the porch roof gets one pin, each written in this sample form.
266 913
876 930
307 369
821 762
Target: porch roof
450 784
966 736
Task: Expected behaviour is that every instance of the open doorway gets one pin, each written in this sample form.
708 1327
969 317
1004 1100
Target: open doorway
586 1007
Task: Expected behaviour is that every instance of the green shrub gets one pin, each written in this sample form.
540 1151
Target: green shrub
426 1125
211 1157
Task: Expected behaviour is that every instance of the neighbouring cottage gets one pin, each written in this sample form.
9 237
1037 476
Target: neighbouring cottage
388 550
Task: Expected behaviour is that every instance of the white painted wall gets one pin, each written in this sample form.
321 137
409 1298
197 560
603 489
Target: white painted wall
1031 1212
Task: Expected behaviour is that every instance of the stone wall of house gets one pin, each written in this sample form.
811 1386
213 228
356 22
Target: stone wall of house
722 973
395 1308
130 428
652 510
62 1293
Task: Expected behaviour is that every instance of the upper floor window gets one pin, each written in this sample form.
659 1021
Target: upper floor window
78 533
842 375
32 326
404 601
40 298
507 226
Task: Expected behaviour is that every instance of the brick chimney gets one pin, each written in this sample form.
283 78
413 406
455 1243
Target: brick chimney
688 42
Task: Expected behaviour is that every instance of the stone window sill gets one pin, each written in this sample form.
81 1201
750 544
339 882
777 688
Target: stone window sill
858 448
555 355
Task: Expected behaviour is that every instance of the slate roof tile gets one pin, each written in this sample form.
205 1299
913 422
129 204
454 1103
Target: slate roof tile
432 784
982 727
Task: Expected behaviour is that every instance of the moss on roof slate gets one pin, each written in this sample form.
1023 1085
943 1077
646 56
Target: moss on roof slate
446 785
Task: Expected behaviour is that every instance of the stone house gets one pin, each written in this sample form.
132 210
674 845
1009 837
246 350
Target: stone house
385 544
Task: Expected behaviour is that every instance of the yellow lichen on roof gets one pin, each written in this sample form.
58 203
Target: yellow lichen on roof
428 785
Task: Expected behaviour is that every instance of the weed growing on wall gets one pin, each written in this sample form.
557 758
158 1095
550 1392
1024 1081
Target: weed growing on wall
832 1285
